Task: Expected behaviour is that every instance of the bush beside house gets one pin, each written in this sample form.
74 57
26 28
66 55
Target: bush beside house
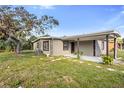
107 60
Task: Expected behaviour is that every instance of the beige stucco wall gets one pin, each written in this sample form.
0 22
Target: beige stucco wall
99 49
41 46
58 48
86 47
34 45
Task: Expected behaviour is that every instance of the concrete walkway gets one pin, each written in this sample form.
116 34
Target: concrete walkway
87 58
92 58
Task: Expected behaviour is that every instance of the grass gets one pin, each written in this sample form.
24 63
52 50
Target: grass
120 54
28 70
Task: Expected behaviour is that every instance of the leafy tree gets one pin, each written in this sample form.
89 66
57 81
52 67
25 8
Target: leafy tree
2 44
16 23
120 42
28 43
32 38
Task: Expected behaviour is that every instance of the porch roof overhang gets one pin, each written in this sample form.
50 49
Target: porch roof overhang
93 36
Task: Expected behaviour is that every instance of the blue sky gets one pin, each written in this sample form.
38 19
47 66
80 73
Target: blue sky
82 19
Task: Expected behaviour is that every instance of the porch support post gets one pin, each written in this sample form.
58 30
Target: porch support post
115 48
94 47
78 56
107 45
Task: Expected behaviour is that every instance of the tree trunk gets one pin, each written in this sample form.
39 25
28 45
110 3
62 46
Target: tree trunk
16 42
18 48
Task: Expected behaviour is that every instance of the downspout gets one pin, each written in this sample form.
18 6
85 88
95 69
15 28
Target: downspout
94 47
51 47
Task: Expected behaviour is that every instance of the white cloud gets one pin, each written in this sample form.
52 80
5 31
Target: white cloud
35 7
122 11
120 27
111 23
114 19
47 7
115 23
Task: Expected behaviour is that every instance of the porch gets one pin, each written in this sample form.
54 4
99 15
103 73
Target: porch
94 37
91 58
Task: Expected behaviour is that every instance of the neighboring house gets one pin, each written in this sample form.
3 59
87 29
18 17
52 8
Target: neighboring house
111 45
94 44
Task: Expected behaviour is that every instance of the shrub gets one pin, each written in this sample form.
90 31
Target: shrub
107 60
80 53
111 50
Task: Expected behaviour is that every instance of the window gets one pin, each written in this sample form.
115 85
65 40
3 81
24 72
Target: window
65 45
103 45
46 45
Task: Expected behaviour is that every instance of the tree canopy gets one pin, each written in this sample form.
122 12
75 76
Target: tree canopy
120 42
16 23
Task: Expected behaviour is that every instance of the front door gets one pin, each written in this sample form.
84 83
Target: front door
72 47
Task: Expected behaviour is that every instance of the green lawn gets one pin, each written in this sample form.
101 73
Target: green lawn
120 54
28 70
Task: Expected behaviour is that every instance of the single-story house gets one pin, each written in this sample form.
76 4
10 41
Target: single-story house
94 44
